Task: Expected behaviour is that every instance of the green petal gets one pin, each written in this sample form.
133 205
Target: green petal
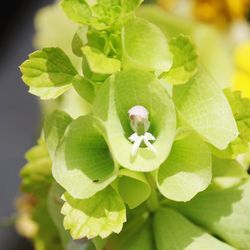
185 61
123 91
133 187
99 63
54 127
203 105
82 164
145 46
187 170
173 231
99 215
224 212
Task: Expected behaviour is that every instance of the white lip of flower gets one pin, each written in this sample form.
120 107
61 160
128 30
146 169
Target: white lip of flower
139 119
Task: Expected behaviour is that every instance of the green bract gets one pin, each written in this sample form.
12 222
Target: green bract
151 139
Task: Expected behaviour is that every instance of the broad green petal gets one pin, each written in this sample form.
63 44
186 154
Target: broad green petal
187 171
83 164
205 108
224 212
185 61
145 46
99 63
174 232
100 215
133 187
120 93
48 67
54 127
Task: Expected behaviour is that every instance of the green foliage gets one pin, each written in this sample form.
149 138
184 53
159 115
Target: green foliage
185 61
176 178
99 215
204 107
49 67
241 111
187 170
145 46
36 174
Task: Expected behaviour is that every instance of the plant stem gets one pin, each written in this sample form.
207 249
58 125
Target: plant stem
152 202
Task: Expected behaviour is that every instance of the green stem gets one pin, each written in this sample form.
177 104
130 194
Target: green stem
152 202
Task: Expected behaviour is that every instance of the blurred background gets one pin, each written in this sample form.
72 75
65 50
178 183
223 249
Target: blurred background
19 111
220 26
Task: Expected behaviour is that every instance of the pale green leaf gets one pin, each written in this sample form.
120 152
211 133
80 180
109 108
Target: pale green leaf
99 63
120 93
77 10
174 232
46 93
224 212
205 108
137 234
79 40
83 164
133 187
100 215
187 171
49 67
185 61
84 88
54 127
145 46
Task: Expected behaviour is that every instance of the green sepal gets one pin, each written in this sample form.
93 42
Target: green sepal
83 164
120 93
187 171
133 187
54 127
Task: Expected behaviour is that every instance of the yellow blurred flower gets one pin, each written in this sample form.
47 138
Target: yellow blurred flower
241 78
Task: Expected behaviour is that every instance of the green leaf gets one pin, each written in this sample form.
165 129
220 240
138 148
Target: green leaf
224 212
116 96
185 61
49 67
46 93
84 88
187 170
227 172
99 63
36 174
145 46
241 111
79 40
83 164
99 215
133 187
54 127
131 5
204 107
173 231
77 10
136 234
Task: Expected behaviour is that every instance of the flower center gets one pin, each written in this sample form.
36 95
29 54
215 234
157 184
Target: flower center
140 124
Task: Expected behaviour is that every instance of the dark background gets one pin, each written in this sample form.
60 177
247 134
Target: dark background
19 111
